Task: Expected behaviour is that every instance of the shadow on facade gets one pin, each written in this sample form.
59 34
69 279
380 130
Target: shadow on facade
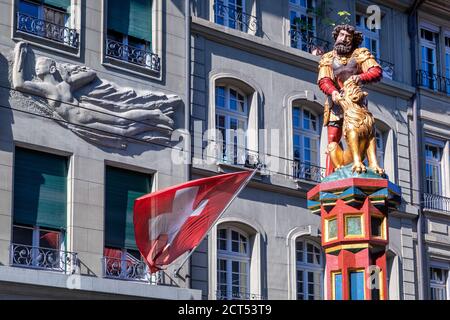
6 116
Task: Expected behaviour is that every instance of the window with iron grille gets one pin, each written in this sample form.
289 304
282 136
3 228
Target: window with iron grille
428 45
231 123
433 155
129 33
303 24
306 142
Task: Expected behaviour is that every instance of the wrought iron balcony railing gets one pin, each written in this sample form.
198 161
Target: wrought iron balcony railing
433 81
436 202
388 69
128 269
43 258
47 30
134 55
234 17
307 171
303 40
236 295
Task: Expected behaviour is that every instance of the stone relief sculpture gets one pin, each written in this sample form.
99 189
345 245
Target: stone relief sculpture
95 109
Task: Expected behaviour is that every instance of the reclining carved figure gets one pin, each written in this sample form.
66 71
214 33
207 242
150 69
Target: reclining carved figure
113 113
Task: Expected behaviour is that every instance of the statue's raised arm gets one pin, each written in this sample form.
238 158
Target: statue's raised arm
41 89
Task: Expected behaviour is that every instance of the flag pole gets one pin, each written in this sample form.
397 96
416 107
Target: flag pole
176 271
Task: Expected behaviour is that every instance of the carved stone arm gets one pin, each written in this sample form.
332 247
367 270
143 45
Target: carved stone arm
18 78
81 78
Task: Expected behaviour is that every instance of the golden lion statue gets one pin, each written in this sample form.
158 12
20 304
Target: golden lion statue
359 132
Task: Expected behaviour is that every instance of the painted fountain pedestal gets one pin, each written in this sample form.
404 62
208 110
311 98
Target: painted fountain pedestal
354 212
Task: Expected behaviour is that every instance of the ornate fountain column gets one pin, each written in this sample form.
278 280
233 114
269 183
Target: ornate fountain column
354 209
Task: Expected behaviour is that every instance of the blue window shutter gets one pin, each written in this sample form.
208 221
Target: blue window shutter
357 285
122 188
131 17
40 189
61 4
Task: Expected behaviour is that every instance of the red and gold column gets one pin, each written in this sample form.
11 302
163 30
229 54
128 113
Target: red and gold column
354 214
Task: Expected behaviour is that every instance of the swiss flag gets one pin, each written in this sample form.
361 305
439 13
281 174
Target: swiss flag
172 221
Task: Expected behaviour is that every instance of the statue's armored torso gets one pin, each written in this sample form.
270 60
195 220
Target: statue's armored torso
344 69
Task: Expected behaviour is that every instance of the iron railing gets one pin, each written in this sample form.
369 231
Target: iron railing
302 39
128 269
236 295
433 81
388 69
436 202
134 55
47 30
235 18
307 171
43 258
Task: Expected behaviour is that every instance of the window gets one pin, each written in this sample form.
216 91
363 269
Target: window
371 36
331 229
48 19
232 13
232 122
40 209
353 226
438 283
306 144
379 137
233 264
122 188
428 40
129 33
40 189
302 24
337 285
356 283
38 248
377 226
433 156
447 64
309 270
126 264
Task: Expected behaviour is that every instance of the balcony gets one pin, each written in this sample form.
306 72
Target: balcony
388 69
136 56
43 258
236 295
128 269
304 41
47 30
234 17
433 81
436 202
307 171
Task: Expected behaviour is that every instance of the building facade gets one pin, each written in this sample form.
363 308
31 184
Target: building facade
254 66
92 91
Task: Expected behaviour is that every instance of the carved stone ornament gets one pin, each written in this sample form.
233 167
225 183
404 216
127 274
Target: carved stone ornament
96 110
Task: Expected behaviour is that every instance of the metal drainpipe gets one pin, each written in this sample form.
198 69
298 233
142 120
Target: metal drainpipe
187 110
413 31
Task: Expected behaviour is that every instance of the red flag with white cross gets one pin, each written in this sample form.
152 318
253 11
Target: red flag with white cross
175 220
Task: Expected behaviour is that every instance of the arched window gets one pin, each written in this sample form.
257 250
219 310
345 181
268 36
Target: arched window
309 267
380 138
306 142
232 123
233 264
